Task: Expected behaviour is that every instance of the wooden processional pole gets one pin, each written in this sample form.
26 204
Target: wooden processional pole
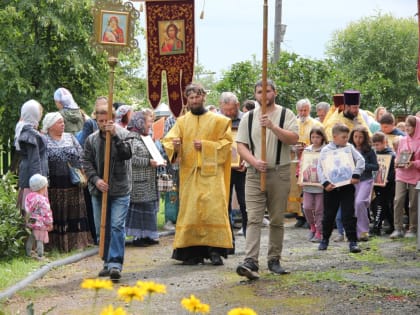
112 62
126 15
264 92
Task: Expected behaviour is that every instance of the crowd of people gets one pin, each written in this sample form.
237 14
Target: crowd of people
361 176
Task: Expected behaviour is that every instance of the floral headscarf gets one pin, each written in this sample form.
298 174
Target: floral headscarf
121 112
137 123
49 120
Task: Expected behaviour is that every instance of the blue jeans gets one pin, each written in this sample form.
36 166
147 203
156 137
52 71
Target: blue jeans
339 222
114 229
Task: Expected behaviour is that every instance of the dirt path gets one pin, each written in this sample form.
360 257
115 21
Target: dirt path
384 279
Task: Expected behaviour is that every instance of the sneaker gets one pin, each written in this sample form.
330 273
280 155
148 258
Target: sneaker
409 234
323 245
316 239
364 237
169 226
274 267
310 236
104 272
114 274
396 234
354 248
265 222
248 269
339 238
300 222
215 258
240 232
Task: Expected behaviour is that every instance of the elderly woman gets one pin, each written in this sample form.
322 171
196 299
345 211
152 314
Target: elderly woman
31 147
71 227
123 115
73 117
144 203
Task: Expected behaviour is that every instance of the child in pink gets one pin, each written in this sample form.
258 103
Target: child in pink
406 178
313 196
39 214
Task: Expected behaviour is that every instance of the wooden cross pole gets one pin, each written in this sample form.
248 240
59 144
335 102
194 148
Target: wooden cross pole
112 62
264 92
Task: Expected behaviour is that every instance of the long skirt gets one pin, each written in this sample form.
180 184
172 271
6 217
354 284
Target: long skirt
71 227
141 219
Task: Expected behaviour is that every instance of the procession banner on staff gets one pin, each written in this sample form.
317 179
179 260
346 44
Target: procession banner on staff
170 49
418 60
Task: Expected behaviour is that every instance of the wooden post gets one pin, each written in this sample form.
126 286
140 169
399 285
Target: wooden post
264 91
112 61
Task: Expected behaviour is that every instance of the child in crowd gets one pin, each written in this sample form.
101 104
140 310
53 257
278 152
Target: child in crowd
313 197
39 214
343 196
388 127
406 177
383 208
359 137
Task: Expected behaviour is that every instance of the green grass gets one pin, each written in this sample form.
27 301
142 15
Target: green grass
16 269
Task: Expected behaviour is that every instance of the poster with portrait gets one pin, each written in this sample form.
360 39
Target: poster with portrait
171 37
113 27
308 175
338 166
380 176
236 159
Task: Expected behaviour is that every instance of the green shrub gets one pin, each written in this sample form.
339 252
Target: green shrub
12 225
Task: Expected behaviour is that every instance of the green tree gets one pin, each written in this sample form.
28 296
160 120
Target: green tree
45 44
378 56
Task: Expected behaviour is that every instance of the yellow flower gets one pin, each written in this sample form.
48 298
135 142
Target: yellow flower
150 287
131 293
109 310
194 305
242 311
96 284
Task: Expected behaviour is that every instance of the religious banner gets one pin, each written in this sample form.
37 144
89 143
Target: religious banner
170 49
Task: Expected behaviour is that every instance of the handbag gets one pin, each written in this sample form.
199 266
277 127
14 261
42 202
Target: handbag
77 177
165 183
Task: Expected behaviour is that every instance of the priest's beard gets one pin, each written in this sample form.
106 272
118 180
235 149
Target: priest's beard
198 111
349 115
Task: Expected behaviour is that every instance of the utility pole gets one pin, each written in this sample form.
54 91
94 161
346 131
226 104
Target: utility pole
279 30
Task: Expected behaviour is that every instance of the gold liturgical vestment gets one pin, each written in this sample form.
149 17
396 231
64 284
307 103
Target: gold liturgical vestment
340 118
204 176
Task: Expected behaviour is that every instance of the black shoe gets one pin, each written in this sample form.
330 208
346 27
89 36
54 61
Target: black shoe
216 260
248 269
274 267
323 245
354 248
150 241
140 242
376 231
300 222
114 274
104 272
193 261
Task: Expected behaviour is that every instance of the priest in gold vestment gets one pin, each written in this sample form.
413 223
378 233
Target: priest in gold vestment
200 142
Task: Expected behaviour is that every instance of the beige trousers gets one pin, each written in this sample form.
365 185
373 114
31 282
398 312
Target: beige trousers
274 200
401 190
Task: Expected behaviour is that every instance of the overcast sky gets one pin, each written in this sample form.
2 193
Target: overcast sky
231 30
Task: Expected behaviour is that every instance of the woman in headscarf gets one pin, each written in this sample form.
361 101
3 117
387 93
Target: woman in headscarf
144 200
123 115
68 108
71 226
31 147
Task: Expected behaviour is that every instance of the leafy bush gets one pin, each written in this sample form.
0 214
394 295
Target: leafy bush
12 228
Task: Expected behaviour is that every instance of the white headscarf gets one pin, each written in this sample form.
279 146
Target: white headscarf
64 96
30 114
49 120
